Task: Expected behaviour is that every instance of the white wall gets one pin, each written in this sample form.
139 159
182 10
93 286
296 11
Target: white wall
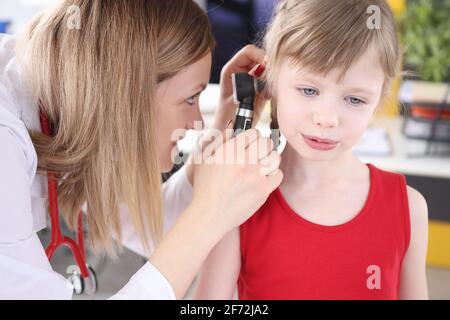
202 3
20 12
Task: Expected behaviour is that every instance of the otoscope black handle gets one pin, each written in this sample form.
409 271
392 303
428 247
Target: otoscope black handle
244 91
242 124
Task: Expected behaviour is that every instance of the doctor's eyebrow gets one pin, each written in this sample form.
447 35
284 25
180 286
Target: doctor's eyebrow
200 88
194 92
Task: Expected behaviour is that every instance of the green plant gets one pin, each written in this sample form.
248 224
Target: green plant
425 33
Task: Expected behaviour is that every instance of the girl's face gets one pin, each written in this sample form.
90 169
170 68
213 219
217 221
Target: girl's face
178 107
314 106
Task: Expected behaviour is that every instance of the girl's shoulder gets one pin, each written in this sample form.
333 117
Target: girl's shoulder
415 198
418 207
415 201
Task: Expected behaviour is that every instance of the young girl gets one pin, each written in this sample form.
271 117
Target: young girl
336 228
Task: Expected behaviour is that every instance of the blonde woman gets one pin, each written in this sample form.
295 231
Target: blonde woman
115 85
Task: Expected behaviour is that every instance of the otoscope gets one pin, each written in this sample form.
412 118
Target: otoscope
245 88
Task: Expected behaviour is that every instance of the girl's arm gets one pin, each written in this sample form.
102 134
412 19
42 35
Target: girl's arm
218 276
413 282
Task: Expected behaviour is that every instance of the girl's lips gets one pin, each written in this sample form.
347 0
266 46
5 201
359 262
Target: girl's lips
320 144
321 140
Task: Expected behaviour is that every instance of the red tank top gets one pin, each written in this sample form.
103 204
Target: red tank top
287 257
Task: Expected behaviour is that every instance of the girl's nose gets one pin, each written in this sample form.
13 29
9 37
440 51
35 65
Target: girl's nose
326 119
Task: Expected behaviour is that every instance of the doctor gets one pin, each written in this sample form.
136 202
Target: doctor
115 85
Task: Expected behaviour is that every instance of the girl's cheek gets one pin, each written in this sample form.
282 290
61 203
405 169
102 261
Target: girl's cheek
294 117
354 128
285 116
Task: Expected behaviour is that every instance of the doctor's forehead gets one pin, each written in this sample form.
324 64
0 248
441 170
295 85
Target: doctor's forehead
193 77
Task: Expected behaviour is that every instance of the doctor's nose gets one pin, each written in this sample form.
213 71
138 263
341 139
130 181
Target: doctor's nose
196 120
326 119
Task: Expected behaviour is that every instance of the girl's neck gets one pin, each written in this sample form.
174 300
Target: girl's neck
308 174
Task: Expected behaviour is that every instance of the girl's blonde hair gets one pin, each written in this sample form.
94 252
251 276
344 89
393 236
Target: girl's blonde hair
96 79
327 34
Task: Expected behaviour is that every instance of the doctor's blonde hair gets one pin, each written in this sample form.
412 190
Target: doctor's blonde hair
328 34
97 84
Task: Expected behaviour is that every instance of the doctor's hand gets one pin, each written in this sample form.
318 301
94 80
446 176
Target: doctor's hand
235 177
226 194
252 61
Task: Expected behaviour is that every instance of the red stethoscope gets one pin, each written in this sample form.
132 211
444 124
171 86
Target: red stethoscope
82 278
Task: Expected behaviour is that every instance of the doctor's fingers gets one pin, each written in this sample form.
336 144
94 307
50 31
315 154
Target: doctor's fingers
270 165
241 149
211 139
238 145
257 149
244 61
261 148
273 180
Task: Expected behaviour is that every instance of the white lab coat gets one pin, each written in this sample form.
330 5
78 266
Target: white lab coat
25 272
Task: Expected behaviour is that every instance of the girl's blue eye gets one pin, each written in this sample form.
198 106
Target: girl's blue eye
355 101
309 92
